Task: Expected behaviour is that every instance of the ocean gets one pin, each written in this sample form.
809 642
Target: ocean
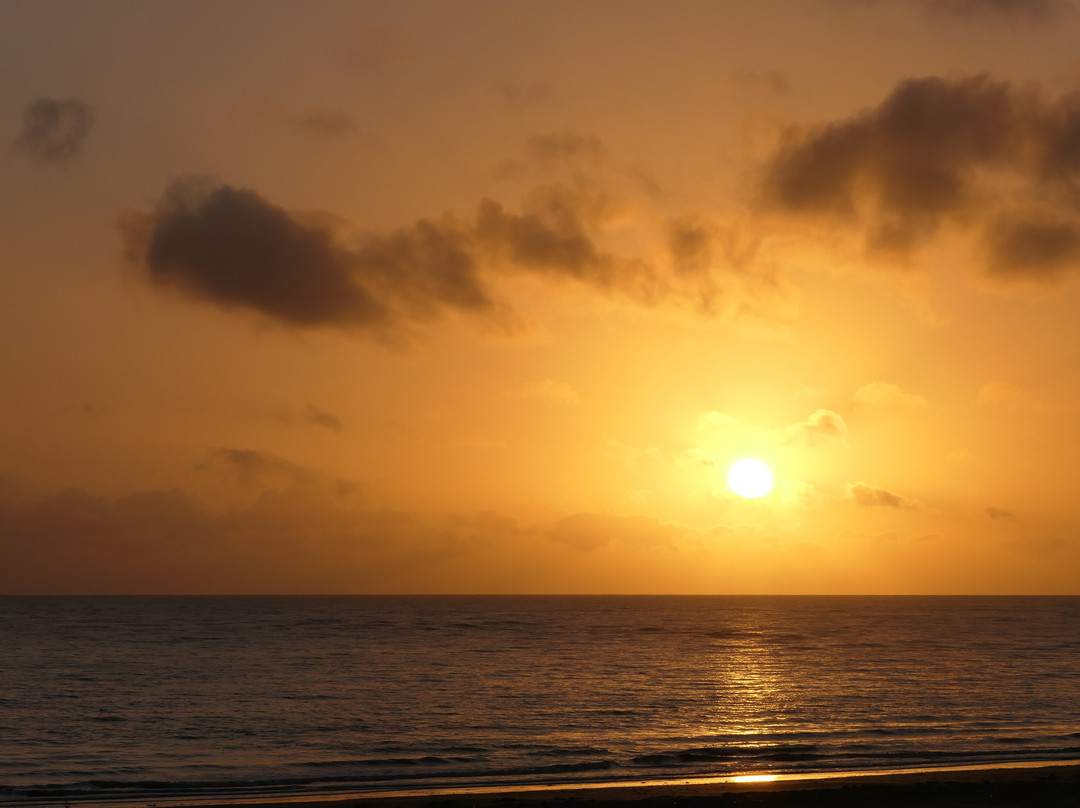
154 698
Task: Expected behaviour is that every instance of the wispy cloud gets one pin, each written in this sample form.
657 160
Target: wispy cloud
55 131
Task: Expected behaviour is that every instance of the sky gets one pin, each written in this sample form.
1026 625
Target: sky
487 297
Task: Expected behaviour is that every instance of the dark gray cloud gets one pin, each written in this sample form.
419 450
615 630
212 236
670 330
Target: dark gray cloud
999 513
232 247
54 131
974 153
235 249
1037 247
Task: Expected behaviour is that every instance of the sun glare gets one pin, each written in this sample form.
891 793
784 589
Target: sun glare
750 478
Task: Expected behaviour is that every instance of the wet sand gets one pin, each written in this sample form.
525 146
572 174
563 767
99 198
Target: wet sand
1044 787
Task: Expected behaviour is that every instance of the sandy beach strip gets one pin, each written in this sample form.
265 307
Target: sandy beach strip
1036 785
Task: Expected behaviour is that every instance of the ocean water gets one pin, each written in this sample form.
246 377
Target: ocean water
111 699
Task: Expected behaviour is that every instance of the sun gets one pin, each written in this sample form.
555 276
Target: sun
750 478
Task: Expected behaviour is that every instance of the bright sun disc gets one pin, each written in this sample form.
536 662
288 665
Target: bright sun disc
750 478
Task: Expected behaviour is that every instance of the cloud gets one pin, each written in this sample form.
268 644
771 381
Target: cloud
521 96
54 131
873 496
698 246
313 416
1030 10
235 249
292 538
885 394
249 466
999 513
1038 246
1036 10
976 154
1046 546
566 145
1005 395
768 81
696 456
322 121
549 390
822 426
375 49
320 418
590 531
714 420
580 152
327 122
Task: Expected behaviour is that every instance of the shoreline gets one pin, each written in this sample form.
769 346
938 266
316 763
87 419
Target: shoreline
1047 784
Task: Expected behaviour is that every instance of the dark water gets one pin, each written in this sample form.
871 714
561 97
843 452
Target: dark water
146 698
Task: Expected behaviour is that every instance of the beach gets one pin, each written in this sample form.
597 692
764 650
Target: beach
1043 786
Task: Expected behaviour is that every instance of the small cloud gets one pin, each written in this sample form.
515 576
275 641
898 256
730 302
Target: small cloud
481 441
1006 396
799 494
884 394
376 49
1031 10
549 390
767 81
823 426
1000 513
316 417
697 457
590 531
557 150
249 466
567 145
327 122
713 420
1027 10
808 394
871 496
54 131
522 96
323 121
1051 546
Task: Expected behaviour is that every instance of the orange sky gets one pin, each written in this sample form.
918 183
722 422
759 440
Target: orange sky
487 296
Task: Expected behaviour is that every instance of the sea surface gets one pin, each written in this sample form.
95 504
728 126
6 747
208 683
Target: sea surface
153 698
